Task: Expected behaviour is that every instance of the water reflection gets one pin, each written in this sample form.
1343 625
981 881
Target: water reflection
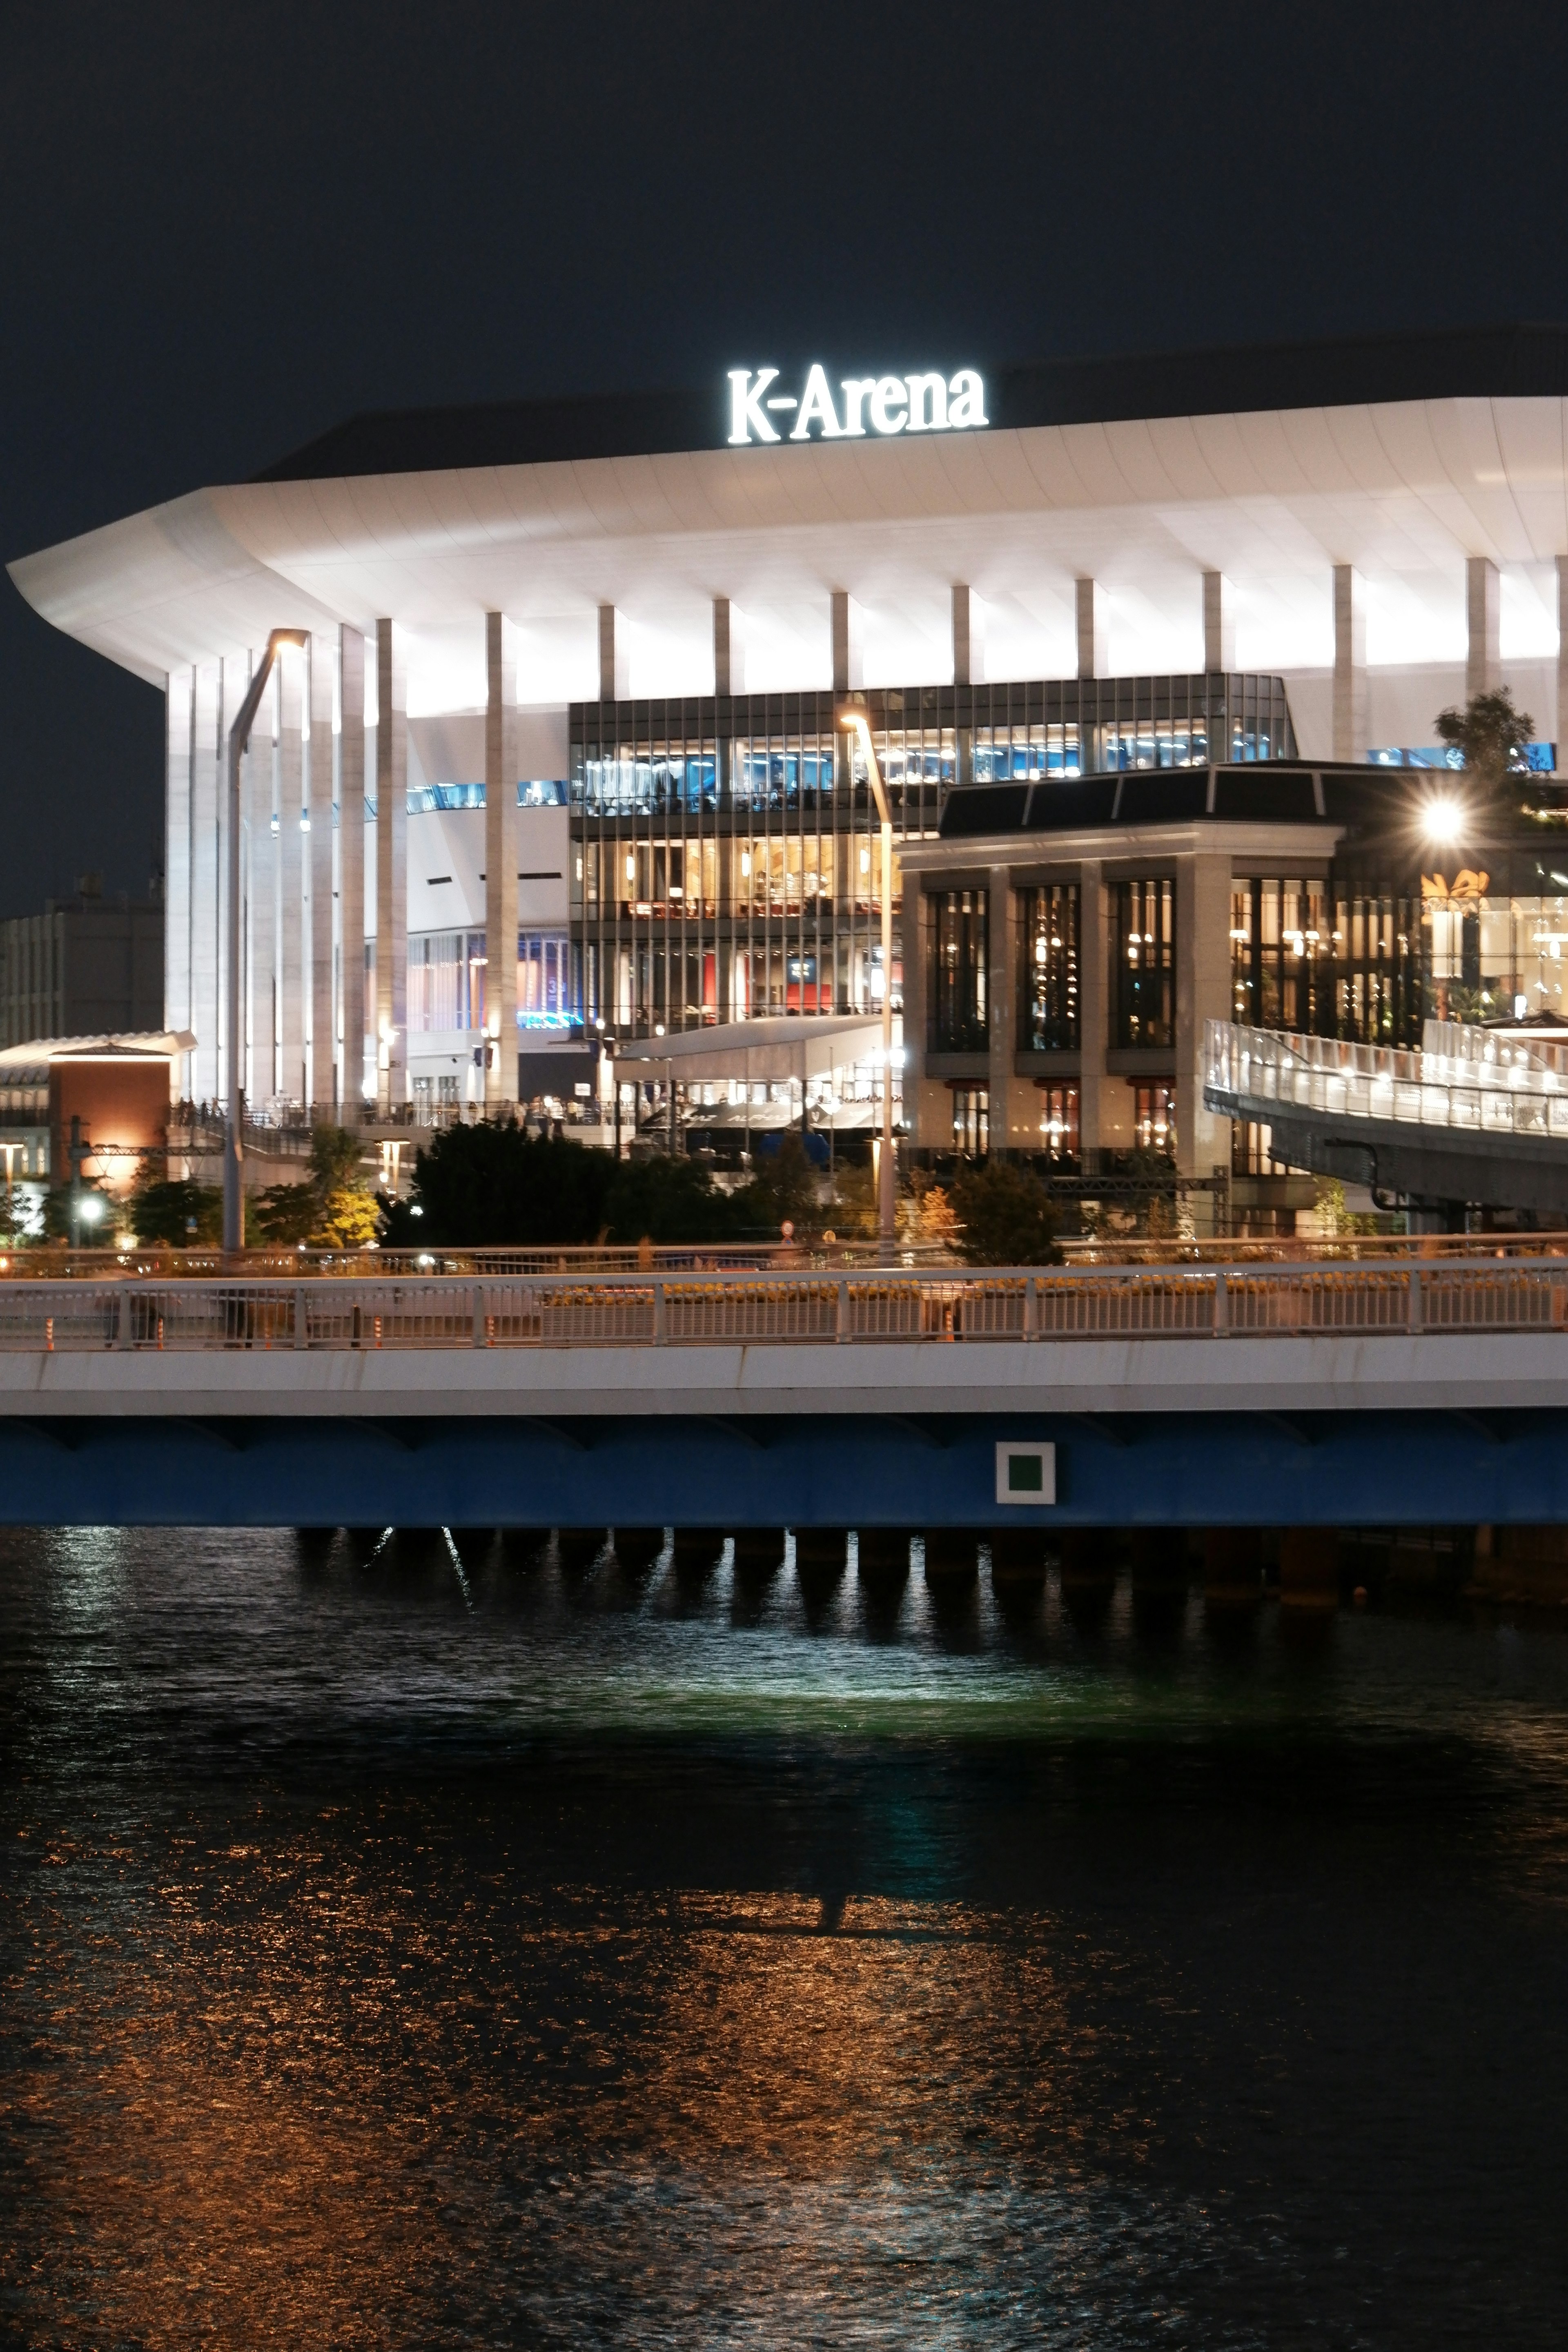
685 1949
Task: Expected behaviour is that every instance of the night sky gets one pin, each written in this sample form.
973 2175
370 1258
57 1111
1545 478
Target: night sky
226 227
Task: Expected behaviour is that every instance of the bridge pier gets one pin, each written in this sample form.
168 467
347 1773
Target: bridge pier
884 1560
637 1548
1310 1567
1232 1566
1018 1559
695 1550
578 1548
821 1557
952 1557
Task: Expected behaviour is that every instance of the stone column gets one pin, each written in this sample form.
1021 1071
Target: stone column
391 864
350 866
614 668
294 1079
1561 733
1092 658
1350 665
1482 654
968 638
259 1026
849 666
729 648
178 703
234 677
1093 1005
501 861
1009 1127
1202 995
1219 627
206 880
324 1082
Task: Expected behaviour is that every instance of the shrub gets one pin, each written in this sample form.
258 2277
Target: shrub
176 1212
490 1186
1006 1217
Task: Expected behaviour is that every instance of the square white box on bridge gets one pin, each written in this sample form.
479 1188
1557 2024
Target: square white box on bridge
1025 1472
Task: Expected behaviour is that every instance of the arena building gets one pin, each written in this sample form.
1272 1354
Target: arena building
1139 640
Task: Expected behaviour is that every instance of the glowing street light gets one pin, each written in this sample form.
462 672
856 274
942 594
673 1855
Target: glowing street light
1442 822
234 1146
856 723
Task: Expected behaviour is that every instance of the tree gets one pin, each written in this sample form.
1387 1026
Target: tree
174 1212
783 1189
667 1200
492 1186
333 1208
1006 1217
1491 735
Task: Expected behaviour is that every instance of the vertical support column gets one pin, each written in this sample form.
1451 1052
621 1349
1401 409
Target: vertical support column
1350 665
1202 995
1008 1127
178 711
1093 659
1093 1006
501 861
729 647
1483 657
615 664
324 1092
391 865
1560 735
968 638
206 847
1219 627
350 866
293 1078
849 666
258 1026
920 1127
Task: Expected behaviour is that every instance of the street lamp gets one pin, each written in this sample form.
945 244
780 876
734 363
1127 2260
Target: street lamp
233 1145
855 722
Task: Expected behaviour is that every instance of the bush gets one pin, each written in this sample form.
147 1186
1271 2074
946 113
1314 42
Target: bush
667 1200
1006 1217
176 1212
492 1187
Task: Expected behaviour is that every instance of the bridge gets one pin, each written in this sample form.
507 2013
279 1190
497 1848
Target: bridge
1476 1115
1402 1391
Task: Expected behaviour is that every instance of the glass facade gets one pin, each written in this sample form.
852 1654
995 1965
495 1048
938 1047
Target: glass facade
1305 958
446 981
972 1120
1047 993
1145 963
1155 1120
1059 1122
961 948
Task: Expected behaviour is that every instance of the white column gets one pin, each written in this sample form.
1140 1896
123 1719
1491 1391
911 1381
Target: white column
1093 1005
293 1078
1482 653
968 638
259 1026
391 862
849 668
233 677
178 711
205 844
351 867
500 860
1093 659
1350 665
1202 995
1219 628
1010 1096
614 669
1561 732
729 647
320 773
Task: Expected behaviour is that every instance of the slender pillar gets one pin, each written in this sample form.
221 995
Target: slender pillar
501 861
1219 626
178 711
1092 658
1202 995
1008 1131
350 866
968 638
1093 1005
260 1023
391 865
1350 665
325 1081
1482 653
293 1078
729 647
206 897
1562 723
849 666
614 665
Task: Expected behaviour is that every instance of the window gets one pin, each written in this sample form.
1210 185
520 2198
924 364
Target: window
1059 1122
972 1120
1048 997
1155 1120
1145 963
959 991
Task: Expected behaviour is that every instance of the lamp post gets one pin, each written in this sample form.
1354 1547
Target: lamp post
856 723
233 1143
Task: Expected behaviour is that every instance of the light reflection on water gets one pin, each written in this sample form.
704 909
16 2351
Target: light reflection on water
420 1949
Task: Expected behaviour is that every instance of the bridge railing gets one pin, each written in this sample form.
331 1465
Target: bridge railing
1246 1068
1020 1306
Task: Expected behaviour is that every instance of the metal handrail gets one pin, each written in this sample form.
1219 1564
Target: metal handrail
1336 1076
1023 1305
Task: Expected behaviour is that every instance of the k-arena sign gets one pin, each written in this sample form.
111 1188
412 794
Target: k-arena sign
866 403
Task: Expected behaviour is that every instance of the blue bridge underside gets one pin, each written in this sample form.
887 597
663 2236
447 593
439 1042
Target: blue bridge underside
1352 1469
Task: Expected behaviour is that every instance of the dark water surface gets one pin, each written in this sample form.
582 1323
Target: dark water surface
408 1951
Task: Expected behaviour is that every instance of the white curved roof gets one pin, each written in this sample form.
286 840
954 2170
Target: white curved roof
1404 490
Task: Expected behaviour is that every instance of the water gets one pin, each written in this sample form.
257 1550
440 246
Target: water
421 1950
